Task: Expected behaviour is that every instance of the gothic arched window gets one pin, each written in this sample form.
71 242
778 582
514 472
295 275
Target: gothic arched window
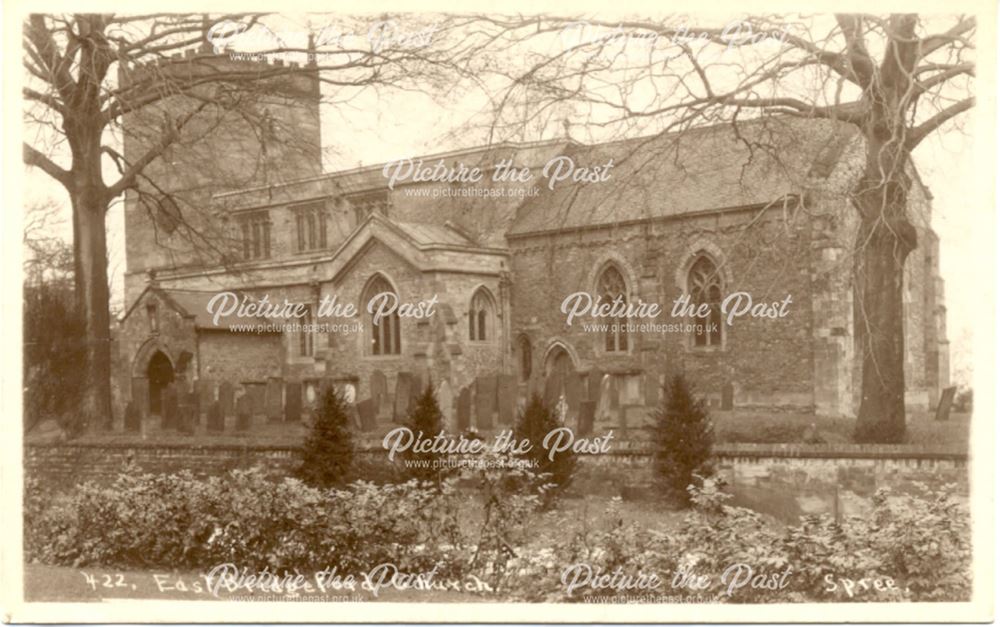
524 357
384 335
705 287
481 316
611 287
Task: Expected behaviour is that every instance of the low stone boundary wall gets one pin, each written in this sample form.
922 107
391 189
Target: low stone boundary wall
783 480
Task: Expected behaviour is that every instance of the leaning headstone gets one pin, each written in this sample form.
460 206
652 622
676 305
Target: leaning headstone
168 407
486 401
226 400
215 421
404 396
133 421
366 414
379 391
293 401
446 401
944 406
586 423
274 399
464 409
506 399
244 412
727 396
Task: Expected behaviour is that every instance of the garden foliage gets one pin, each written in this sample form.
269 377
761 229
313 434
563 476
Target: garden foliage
682 435
920 542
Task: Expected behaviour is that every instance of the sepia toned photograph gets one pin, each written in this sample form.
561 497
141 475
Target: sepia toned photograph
488 314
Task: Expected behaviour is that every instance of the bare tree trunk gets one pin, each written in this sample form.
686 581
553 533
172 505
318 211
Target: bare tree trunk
885 238
92 295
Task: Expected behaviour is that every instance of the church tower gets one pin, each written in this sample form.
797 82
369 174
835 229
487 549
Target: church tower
248 122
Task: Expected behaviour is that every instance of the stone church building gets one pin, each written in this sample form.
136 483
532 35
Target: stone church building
760 208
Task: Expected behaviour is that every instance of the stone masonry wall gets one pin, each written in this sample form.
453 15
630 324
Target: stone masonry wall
768 361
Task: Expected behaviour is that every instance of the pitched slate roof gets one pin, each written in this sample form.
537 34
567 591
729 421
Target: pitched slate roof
430 234
194 304
696 170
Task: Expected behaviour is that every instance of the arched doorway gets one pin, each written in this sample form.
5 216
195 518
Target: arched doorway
558 363
160 373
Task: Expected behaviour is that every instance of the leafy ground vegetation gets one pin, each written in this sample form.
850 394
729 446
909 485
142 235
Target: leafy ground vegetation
496 531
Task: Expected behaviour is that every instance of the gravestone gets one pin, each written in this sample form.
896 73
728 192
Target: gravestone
353 415
186 415
727 396
293 401
652 385
585 425
244 412
133 420
486 401
464 409
168 407
257 392
604 412
215 420
553 389
325 385
420 379
196 402
206 395
573 393
417 388
140 396
446 401
613 390
594 386
944 405
274 399
226 406
506 399
349 392
404 397
366 414
379 391
310 396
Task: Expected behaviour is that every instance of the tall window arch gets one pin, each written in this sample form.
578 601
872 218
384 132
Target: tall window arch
482 316
384 337
611 287
705 287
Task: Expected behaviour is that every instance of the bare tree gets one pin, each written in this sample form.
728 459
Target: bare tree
87 73
896 79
